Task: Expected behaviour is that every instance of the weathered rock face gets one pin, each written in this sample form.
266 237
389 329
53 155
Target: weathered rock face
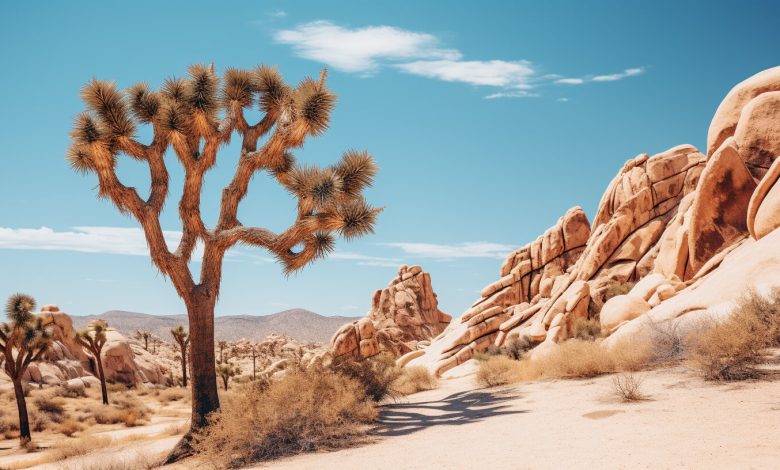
402 316
670 222
67 363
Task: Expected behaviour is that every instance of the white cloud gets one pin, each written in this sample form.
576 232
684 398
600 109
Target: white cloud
512 94
111 240
361 50
562 100
278 14
602 78
453 251
618 76
570 81
497 73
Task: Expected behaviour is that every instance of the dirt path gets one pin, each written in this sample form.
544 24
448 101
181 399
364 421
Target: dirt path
685 423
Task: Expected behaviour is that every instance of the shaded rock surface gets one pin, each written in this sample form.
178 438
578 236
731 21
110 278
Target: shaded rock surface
678 224
403 316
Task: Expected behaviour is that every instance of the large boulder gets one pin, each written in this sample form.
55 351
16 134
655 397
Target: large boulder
724 122
757 134
402 315
764 210
719 212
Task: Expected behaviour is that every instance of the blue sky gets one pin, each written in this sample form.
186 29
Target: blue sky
488 121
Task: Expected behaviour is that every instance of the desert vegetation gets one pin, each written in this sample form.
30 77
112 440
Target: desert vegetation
195 117
182 338
93 338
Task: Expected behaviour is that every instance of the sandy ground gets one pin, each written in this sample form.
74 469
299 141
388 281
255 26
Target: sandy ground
684 423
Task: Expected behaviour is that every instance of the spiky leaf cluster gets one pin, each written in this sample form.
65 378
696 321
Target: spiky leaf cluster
25 337
93 337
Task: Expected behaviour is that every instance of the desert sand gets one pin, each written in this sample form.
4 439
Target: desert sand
684 423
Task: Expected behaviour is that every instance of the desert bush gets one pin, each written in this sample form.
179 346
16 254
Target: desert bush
65 392
414 379
136 461
731 348
514 348
81 446
617 288
498 370
586 329
305 410
627 387
52 407
125 410
376 374
172 394
669 343
70 427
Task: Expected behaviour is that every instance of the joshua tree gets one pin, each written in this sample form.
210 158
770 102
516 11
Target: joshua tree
226 371
182 338
144 335
222 345
29 337
196 116
93 337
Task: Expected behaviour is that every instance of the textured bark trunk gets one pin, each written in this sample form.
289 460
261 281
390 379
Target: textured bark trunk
254 368
21 405
184 366
103 388
203 376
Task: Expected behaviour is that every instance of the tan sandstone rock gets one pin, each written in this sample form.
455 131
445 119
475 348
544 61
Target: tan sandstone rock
757 135
620 309
764 209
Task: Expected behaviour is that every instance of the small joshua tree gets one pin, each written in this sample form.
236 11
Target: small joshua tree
222 346
195 117
93 338
143 335
24 339
182 338
226 371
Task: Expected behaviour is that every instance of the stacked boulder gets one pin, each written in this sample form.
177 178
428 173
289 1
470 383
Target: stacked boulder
404 316
668 223
67 363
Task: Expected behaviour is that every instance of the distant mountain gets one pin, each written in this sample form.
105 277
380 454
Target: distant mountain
299 324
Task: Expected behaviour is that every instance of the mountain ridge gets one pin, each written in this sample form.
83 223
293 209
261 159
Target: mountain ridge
300 324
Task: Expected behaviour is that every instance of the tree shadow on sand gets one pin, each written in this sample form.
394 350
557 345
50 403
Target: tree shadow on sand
398 419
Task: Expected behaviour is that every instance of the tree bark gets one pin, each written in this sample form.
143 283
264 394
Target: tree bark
203 376
103 388
21 405
183 365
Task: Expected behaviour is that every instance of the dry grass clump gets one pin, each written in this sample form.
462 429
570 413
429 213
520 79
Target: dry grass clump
627 387
125 409
586 328
731 349
513 348
498 370
69 427
305 410
65 392
172 394
376 374
414 379
53 408
137 461
80 446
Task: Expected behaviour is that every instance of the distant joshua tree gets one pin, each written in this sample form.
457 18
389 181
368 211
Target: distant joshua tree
143 335
222 345
196 116
93 338
182 338
24 339
226 371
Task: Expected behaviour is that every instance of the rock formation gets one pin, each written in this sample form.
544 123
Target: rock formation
403 316
67 363
693 232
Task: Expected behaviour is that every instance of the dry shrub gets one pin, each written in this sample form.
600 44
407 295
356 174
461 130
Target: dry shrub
376 374
137 461
70 427
498 370
586 328
669 343
172 394
81 446
52 408
305 410
513 348
627 387
65 392
125 410
414 379
730 349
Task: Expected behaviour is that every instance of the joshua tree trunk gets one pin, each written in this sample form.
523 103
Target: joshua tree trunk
21 405
254 367
103 388
184 367
200 311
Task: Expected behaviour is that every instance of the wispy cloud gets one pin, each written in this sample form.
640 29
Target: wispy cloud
367 260
632 72
277 14
361 50
454 251
496 73
366 50
110 240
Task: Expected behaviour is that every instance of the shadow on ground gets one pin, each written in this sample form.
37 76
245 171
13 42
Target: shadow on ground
398 419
